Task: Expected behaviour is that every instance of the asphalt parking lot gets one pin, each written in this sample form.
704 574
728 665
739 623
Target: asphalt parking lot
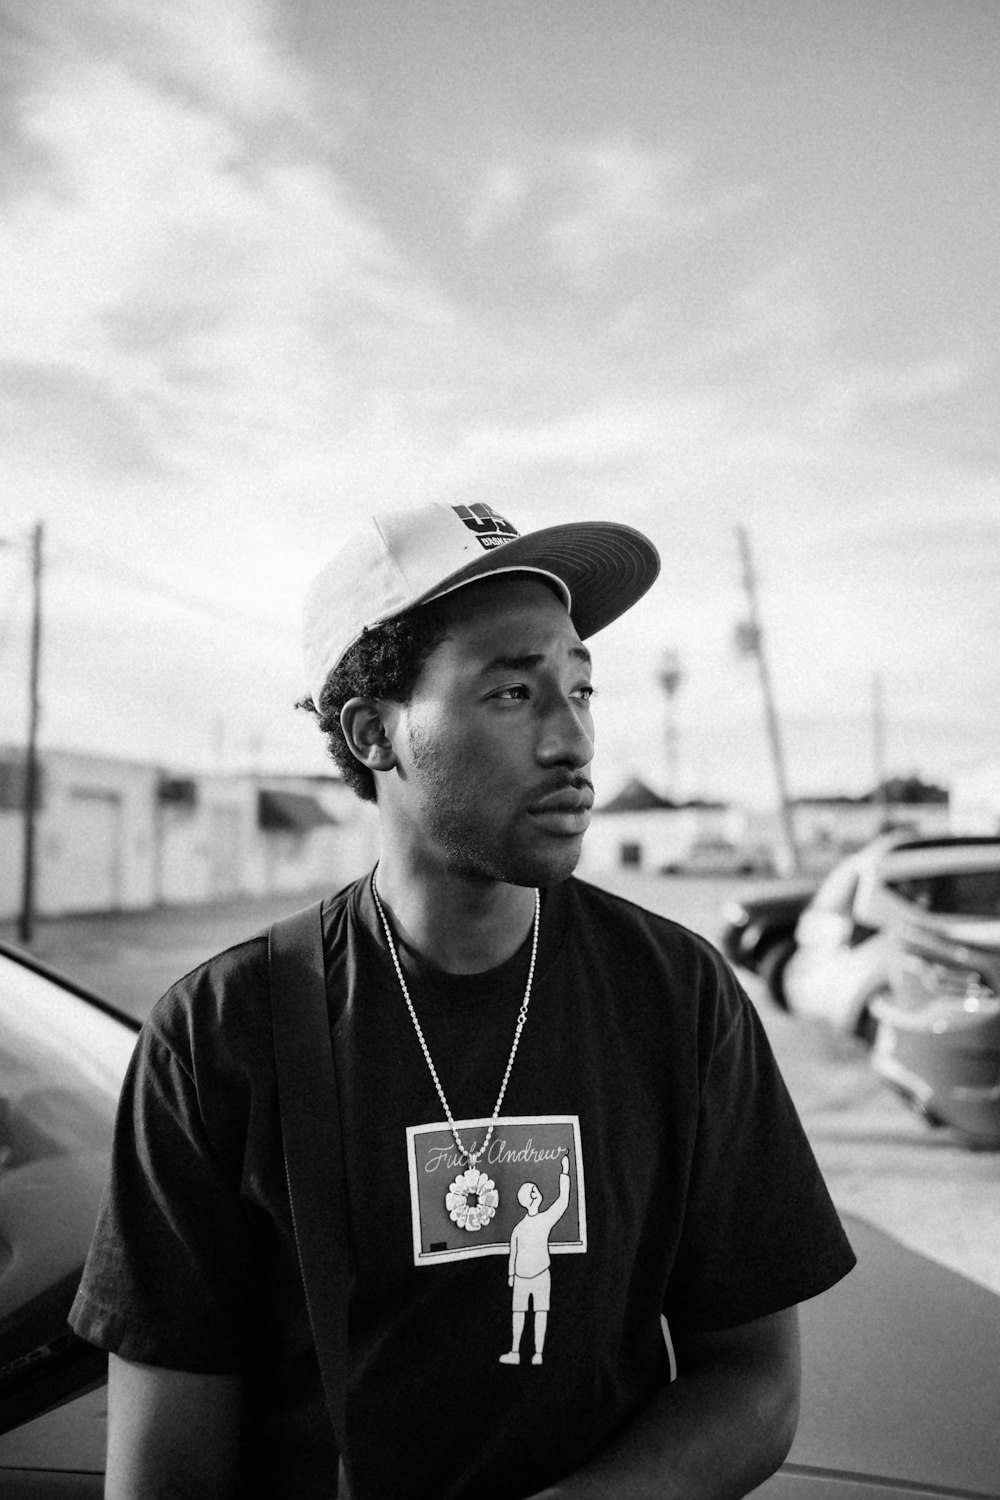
880 1161
132 957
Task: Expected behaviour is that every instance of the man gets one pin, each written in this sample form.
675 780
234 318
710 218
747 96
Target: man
492 1019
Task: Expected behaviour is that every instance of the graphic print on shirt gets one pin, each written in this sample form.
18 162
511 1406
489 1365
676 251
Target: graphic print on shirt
458 1211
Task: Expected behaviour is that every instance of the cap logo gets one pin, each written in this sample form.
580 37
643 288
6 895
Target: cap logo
492 529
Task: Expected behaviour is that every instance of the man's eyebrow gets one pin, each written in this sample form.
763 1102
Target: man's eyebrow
527 663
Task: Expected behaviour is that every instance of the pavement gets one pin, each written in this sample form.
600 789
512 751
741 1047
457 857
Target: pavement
131 958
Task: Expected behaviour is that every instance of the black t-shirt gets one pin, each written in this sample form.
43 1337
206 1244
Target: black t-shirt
647 1161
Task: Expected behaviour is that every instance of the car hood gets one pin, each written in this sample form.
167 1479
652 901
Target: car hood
900 1383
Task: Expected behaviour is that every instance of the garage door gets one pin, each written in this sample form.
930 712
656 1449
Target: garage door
89 865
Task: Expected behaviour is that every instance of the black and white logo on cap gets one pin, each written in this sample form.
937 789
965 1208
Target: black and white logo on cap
492 529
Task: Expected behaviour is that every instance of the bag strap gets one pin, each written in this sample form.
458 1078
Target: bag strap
313 1140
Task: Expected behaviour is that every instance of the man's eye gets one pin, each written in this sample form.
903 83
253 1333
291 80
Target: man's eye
520 691
585 691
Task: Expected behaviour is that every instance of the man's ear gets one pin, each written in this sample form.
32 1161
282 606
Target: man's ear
367 733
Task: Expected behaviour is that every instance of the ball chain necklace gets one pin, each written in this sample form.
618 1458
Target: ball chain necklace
472 1198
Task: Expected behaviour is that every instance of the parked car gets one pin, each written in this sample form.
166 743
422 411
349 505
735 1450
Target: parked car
899 1390
879 1417
720 856
840 963
63 1053
758 929
937 1040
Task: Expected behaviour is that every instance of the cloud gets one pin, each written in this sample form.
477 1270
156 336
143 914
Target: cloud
236 315
862 386
783 305
619 199
222 56
800 375
222 293
591 205
599 435
500 193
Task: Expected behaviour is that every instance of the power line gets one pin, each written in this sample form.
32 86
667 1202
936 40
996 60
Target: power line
135 578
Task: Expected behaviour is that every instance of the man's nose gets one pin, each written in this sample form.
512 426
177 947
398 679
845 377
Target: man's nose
564 737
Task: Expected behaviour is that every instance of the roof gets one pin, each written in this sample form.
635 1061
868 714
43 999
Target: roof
636 796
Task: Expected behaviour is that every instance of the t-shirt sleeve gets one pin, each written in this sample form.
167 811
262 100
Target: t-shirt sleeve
168 1278
760 1231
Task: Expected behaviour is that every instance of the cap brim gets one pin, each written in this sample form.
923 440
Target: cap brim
607 567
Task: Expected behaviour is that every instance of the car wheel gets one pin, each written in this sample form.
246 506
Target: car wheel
771 968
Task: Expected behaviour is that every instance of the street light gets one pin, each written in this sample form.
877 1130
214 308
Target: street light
670 676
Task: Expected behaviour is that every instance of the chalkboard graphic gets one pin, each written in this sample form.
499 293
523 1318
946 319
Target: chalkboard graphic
458 1211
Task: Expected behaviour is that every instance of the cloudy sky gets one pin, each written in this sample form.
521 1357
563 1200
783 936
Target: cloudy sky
691 265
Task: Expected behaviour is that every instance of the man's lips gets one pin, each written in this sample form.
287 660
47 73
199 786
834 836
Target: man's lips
565 799
565 811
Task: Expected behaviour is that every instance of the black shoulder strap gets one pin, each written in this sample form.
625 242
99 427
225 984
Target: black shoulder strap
313 1143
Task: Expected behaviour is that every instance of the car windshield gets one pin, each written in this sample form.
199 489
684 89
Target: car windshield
61 1065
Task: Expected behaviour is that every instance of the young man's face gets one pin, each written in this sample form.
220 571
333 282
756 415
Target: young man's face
494 747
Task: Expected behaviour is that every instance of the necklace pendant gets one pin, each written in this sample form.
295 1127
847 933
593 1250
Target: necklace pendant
472 1199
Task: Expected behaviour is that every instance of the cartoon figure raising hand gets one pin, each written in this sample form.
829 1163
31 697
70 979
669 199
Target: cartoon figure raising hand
528 1269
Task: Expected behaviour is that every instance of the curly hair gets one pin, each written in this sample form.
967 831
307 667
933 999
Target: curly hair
384 662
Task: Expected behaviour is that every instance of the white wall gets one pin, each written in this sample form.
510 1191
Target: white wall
104 840
975 798
664 835
11 856
203 848
94 838
216 849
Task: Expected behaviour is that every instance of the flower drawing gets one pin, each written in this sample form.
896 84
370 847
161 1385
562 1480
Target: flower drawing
472 1199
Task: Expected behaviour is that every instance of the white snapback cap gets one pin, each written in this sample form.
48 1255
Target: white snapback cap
399 559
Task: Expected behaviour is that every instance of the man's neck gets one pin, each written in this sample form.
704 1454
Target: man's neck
462 926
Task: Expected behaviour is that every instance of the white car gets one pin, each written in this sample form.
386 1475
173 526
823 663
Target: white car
840 966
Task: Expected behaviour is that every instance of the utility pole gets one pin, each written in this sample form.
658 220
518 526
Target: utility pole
26 923
750 636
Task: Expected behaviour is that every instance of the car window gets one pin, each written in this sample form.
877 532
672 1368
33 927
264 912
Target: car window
61 1065
968 893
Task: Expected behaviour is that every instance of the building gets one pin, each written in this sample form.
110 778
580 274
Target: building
640 829
95 834
828 827
115 835
975 798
